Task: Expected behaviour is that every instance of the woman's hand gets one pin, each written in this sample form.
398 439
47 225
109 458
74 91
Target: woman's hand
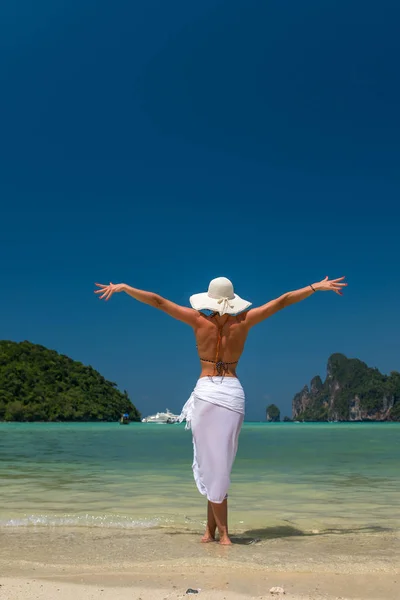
107 291
330 285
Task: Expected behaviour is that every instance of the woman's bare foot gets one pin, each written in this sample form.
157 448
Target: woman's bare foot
225 541
209 536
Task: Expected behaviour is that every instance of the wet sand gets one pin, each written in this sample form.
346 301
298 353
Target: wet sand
84 563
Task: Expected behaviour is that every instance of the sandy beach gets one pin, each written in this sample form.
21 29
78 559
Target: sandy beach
43 563
116 588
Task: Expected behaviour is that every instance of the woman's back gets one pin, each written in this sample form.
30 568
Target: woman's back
220 343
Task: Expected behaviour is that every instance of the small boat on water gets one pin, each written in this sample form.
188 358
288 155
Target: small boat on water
124 420
162 418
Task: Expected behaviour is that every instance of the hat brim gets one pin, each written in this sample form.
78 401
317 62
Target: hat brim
204 302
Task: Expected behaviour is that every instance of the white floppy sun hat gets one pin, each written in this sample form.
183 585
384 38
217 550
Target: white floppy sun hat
220 298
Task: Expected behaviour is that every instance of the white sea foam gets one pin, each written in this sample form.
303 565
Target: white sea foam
67 520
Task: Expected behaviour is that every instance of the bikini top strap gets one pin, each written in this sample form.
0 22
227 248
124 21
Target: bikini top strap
219 340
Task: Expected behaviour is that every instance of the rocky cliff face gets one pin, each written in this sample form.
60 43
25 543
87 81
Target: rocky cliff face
352 391
357 413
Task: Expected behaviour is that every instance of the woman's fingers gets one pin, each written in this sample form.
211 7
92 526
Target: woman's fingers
103 290
337 288
106 291
335 285
334 280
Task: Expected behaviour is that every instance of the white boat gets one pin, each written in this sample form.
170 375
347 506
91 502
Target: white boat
162 418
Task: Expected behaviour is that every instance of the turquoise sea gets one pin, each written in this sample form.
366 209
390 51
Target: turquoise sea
333 476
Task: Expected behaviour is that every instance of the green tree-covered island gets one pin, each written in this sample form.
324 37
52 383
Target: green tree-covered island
273 414
38 384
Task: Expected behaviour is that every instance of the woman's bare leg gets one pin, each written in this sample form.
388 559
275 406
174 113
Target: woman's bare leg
221 518
209 535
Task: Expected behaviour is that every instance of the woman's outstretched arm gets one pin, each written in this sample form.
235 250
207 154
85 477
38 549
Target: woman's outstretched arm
256 315
182 313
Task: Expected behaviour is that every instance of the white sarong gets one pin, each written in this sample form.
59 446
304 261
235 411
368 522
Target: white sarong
215 413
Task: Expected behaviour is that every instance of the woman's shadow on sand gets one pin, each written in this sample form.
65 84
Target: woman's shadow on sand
254 536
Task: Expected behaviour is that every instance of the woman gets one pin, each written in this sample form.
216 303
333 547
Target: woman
215 410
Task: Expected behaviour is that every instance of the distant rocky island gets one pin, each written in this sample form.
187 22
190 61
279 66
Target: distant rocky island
38 384
273 414
352 391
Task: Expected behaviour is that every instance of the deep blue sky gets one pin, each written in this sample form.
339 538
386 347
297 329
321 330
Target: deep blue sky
167 143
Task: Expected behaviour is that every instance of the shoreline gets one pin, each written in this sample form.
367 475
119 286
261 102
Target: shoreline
68 563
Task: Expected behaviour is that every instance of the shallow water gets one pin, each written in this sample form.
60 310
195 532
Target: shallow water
307 477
